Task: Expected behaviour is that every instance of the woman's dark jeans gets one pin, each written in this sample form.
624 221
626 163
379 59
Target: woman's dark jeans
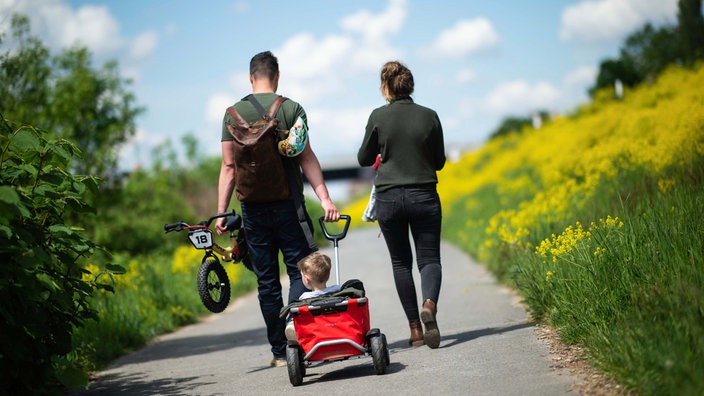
270 227
416 208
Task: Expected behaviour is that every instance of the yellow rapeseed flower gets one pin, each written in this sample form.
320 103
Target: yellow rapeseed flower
548 275
185 259
93 269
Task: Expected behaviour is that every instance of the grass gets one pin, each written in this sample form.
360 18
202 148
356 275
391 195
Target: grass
157 295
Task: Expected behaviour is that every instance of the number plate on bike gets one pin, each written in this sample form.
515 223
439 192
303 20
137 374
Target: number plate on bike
201 239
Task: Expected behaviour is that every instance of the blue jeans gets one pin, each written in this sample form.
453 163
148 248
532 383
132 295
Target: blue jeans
416 208
270 228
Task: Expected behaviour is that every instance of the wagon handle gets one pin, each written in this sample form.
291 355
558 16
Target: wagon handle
335 238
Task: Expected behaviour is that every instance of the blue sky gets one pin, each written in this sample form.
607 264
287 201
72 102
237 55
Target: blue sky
474 62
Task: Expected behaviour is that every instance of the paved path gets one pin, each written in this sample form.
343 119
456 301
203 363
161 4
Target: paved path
488 346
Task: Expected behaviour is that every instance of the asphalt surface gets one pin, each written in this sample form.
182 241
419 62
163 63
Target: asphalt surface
489 346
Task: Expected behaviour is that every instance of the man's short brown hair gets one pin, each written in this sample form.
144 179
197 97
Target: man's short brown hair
264 65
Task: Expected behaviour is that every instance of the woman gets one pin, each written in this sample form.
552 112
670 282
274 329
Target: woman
409 139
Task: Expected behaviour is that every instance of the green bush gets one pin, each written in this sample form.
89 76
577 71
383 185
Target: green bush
44 296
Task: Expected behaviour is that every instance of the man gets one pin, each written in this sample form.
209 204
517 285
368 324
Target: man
271 227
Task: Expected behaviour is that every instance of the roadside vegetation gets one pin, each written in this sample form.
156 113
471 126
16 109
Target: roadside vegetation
596 220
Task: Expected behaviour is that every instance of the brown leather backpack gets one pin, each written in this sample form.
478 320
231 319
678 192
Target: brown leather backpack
259 171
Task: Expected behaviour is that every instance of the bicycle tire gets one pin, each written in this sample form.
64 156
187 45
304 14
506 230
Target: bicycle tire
213 286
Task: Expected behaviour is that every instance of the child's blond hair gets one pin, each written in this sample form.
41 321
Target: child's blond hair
317 266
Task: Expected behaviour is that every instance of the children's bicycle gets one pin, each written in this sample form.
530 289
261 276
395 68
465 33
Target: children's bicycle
213 283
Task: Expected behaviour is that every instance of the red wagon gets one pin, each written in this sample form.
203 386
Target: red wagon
336 327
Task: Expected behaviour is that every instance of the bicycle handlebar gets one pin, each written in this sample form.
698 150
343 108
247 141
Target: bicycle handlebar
217 216
181 224
175 226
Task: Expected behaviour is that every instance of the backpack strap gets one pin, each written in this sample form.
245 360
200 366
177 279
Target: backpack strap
239 121
260 109
303 219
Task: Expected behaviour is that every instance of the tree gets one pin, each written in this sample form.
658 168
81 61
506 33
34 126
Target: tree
611 70
691 26
648 51
516 124
65 95
24 74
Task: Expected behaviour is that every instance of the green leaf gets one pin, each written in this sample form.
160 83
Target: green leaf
53 176
48 283
72 378
60 229
79 187
61 156
27 139
9 195
81 247
12 203
5 231
116 269
106 287
28 168
47 191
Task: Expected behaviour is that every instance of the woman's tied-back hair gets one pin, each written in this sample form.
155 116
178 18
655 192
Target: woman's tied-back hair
264 65
317 266
396 81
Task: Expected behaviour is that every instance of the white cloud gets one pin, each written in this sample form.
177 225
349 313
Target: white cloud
170 30
370 35
137 151
465 75
466 38
520 97
92 26
215 107
239 81
313 68
306 58
377 27
603 20
336 131
581 77
240 7
144 45
59 25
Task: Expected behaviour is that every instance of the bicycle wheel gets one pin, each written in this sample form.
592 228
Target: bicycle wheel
213 286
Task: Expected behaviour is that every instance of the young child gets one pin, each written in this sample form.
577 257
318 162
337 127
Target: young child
315 272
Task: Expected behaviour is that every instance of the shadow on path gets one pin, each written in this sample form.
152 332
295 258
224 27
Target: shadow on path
196 345
451 339
140 385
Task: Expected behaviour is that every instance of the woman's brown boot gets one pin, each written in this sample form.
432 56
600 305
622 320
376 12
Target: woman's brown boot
417 338
427 315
